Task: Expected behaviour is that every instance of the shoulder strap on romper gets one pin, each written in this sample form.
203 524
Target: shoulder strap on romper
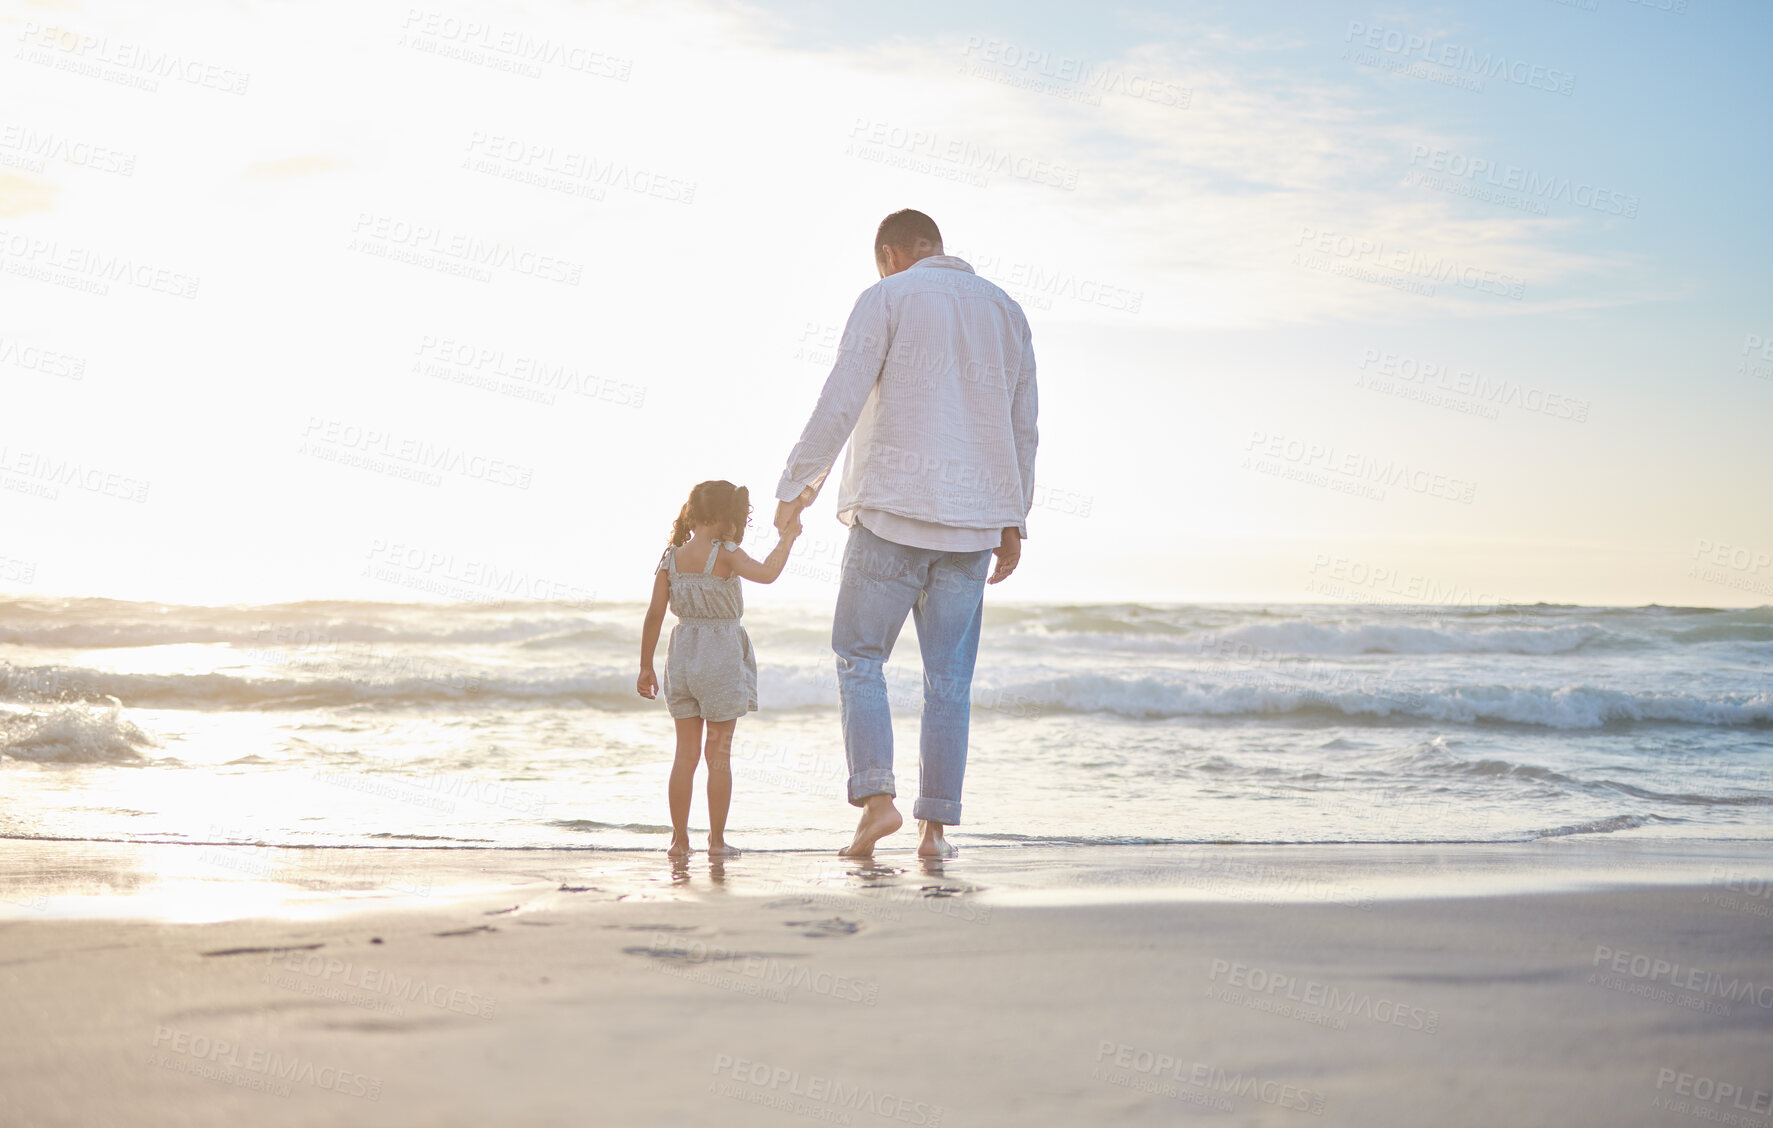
708 568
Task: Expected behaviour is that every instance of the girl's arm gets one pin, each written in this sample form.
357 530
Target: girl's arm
766 570
648 683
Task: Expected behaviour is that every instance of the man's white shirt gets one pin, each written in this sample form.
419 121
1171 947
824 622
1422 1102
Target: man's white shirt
934 389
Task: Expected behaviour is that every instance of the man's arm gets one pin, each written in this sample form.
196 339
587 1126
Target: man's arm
1024 410
861 354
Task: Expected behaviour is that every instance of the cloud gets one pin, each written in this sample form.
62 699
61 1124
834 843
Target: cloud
1201 205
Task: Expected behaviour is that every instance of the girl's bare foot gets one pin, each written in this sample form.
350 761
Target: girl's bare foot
879 819
679 848
931 844
720 850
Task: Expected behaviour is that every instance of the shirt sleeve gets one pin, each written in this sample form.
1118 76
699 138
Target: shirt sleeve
861 355
1024 410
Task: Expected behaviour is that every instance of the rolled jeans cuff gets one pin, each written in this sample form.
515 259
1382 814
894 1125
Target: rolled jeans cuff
875 781
944 811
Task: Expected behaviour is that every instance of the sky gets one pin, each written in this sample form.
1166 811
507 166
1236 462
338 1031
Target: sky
1453 303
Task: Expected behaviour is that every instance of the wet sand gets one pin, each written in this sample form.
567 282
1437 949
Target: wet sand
1627 982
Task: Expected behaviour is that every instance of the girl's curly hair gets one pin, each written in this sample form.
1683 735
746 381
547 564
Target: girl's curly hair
712 503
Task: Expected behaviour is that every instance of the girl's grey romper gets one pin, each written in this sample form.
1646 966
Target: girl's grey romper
710 671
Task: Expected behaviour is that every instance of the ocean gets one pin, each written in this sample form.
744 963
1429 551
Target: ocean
516 725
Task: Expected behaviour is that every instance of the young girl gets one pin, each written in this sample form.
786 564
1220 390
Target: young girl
710 672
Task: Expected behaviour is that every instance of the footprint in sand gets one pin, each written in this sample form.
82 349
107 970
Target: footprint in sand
589 889
789 903
947 890
875 871
701 955
263 951
820 929
467 931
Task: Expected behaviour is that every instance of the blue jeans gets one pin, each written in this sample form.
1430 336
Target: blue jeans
945 591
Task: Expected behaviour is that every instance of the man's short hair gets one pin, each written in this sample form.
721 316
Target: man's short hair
905 229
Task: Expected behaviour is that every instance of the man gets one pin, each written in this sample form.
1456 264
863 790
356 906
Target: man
935 377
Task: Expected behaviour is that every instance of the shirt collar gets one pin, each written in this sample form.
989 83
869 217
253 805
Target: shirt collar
951 262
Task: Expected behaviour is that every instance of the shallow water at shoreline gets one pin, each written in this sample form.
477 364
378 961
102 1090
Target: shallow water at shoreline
516 725
196 883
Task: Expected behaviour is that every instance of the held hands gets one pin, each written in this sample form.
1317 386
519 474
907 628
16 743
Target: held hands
793 528
1009 554
648 684
789 511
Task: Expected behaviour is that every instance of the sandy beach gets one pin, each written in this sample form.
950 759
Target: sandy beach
1546 983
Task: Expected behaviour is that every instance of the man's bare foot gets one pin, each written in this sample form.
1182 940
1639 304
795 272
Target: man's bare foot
879 819
720 850
931 844
679 848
